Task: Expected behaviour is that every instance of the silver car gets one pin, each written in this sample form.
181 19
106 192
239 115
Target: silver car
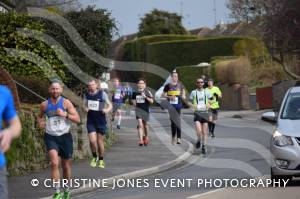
285 142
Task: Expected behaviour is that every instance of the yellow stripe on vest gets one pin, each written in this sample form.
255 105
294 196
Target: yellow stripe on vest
177 93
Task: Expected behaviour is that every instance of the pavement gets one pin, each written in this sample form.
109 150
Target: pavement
125 159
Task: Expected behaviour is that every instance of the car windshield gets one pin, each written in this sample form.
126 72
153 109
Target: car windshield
292 107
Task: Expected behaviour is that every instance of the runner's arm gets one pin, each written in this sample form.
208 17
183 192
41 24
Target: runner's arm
149 97
108 104
8 134
84 105
41 115
71 113
189 102
13 125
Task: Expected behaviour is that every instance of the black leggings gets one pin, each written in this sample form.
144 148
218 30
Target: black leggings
175 121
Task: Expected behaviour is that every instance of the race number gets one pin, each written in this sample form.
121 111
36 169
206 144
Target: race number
174 101
117 96
93 105
140 99
57 123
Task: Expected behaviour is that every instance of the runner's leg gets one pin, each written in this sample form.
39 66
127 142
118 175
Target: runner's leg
199 133
93 143
178 126
119 115
54 162
140 131
101 149
100 140
66 168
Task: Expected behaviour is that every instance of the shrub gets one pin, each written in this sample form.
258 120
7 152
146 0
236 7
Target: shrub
168 54
236 71
189 74
39 86
136 50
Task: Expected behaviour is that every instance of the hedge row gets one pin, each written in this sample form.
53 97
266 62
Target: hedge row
189 74
169 54
136 50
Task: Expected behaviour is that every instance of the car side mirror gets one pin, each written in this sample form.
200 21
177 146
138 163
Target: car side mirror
270 116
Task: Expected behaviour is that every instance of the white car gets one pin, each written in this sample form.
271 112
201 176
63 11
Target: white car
285 142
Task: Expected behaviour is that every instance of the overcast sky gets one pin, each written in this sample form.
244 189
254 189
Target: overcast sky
196 13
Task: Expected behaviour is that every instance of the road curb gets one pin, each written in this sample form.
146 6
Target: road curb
140 173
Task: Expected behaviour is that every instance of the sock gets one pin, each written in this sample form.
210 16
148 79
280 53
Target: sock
119 120
67 188
210 126
213 127
94 155
57 188
100 158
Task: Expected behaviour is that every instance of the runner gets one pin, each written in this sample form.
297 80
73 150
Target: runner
205 81
128 97
175 93
200 98
118 96
13 129
94 104
59 113
216 94
142 100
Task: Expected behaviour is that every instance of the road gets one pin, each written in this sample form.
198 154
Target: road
239 151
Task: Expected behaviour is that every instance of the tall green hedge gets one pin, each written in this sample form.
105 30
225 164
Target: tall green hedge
168 54
189 74
136 50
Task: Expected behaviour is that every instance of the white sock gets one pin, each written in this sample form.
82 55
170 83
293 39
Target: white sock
119 119
57 188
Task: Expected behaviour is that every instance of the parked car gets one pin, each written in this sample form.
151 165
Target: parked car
285 142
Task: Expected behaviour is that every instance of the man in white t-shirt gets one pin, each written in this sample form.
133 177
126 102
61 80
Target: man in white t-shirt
200 99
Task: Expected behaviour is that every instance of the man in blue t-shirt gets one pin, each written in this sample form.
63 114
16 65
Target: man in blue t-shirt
11 130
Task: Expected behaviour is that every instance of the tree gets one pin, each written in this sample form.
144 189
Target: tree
63 5
246 10
282 30
10 39
281 26
161 22
95 26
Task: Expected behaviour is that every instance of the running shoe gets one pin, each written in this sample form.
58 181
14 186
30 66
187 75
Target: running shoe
66 195
101 164
118 127
213 135
93 162
178 141
146 141
198 144
57 196
141 143
173 140
203 151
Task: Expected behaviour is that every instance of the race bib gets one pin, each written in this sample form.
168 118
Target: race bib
140 99
57 123
93 105
117 96
175 101
201 107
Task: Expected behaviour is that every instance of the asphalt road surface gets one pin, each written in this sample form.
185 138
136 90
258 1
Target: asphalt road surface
239 151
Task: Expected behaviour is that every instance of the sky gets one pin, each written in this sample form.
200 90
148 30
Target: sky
196 13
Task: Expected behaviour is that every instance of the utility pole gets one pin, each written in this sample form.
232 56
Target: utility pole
215 12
